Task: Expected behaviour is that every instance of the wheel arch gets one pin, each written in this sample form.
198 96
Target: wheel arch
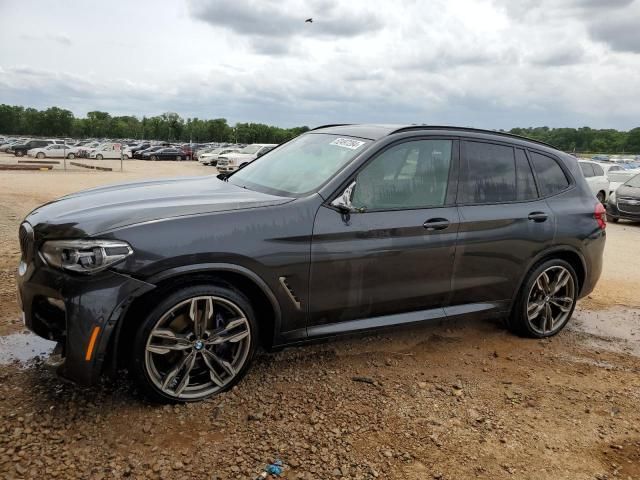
564 252
241 278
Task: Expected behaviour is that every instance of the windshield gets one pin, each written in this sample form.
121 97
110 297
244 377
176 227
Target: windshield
301 165
634 182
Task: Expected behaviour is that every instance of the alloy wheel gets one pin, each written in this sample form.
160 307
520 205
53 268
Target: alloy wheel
197 347
551 300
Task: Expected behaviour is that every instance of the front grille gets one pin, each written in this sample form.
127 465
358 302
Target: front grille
27 242
223 162
629 205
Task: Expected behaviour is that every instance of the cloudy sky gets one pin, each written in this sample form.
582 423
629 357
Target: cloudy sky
482 63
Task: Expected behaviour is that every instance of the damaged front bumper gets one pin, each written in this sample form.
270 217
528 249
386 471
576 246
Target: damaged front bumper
77 311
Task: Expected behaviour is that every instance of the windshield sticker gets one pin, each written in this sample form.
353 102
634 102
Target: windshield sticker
347 143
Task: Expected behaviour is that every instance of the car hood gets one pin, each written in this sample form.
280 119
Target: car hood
238 156
103 209
627 191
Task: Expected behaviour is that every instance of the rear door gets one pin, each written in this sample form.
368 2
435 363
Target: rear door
503 224
396 254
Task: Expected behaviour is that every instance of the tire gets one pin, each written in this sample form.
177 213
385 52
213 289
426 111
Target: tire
153 157
40 155
170 323
601 197
19 153
531 298
71 156
99 157
178 158
613 219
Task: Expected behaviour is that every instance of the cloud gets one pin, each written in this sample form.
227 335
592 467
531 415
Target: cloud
61 38
271 25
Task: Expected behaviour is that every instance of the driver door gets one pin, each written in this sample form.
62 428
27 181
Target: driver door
395 254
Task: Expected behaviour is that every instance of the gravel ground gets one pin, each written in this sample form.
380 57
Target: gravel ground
443 400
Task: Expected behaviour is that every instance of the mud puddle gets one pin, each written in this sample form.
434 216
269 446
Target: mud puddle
22 347
616 329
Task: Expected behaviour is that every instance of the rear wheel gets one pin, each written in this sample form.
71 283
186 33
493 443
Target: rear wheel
40 155
71 156
178 158
197 342
153 157
19 153
546 300
99 157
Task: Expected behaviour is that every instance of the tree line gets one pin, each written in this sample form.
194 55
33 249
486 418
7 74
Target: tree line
58 122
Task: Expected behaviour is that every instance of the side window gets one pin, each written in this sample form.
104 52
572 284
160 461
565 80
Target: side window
525 183
409 175
597 169
488 173
551 178
587 169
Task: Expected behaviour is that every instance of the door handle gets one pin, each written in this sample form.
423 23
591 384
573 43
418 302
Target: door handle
436 224
537 216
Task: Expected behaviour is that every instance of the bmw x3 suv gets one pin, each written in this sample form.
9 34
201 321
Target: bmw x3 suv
346 228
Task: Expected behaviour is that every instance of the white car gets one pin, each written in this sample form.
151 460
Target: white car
597 180
108 151
617 178
50 151
211 158
233 161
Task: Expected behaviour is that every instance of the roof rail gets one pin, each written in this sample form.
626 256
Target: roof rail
470 129
330 125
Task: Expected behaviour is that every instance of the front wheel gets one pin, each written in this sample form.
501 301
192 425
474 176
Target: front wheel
178 158
99 157
601 197
197 342
153 158
546 300
19 153
40 155
71 156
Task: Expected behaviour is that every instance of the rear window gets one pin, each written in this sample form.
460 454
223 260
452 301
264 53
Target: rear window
587 169
488 173
597 170
551 178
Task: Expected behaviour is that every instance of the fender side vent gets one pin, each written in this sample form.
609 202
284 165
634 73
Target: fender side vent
289 290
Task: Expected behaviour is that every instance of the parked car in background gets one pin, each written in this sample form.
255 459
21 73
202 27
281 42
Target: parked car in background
165 153
50 151
231 162
135 148
611 167
107 151
624 203
343 229
21 149
600 158
597 180
140 153
211 157
617 179
6 146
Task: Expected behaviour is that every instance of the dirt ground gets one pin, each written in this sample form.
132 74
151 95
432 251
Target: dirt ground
443 400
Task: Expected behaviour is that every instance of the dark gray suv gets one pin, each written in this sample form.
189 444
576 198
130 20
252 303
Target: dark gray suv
345 228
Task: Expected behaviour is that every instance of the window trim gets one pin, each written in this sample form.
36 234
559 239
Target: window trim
452 179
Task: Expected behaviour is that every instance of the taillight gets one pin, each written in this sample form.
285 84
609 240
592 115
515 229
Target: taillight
600 214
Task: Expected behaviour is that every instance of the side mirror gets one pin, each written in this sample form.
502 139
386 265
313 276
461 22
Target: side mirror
343 202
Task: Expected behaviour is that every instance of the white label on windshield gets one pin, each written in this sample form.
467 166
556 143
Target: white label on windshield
347 143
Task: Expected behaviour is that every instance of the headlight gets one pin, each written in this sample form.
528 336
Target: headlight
85 256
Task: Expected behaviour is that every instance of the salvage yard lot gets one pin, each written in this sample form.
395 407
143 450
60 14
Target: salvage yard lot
446 400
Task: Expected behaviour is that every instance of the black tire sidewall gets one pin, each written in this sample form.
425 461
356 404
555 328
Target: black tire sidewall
165 302
518 321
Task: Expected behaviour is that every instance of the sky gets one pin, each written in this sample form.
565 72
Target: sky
481 63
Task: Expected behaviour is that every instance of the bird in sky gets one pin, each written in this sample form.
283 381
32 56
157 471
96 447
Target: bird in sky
309 20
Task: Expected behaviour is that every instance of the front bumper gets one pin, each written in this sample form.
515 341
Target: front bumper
226 168
78 311
614 211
